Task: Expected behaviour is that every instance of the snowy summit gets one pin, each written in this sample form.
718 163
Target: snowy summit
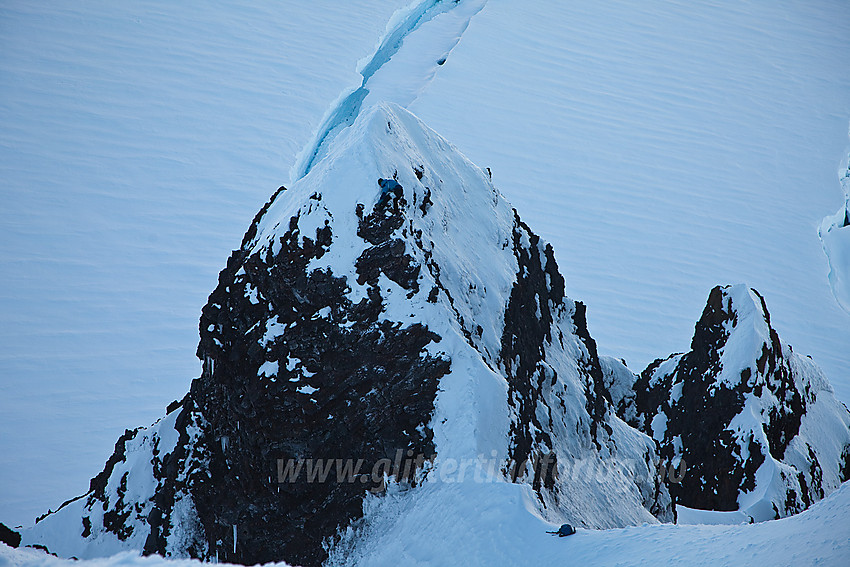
390 303
391 338
392 367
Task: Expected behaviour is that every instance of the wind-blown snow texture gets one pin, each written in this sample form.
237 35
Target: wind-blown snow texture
757 425
391 300
663 148
135 141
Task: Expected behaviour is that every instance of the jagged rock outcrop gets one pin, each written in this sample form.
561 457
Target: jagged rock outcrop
9 536
389 313
757 426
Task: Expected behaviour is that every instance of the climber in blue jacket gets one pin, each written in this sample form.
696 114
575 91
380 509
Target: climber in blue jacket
564 531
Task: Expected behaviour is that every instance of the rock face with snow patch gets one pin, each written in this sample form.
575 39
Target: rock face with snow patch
390 307
757 426
297 369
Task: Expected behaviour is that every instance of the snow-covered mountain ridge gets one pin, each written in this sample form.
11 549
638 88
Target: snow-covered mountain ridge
758 425
391 310
390 301
657 147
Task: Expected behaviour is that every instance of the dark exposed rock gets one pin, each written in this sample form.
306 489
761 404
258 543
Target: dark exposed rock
97 486
597 396
533 329
115 519
528 323
44 549
387 215
346 384
319 373
175 472
694 404
360 388
845 464
528 328
9 536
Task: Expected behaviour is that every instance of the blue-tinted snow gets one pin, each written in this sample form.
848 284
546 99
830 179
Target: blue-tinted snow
445 529
664 147
137 141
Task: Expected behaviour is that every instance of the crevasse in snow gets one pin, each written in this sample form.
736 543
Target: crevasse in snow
412 310
834 233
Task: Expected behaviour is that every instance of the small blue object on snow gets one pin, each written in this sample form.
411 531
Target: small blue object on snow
390 189
390 185
564 531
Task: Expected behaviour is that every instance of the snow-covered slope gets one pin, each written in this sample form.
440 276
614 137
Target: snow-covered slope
135 139
466 531
701 121
389 305
484 531
755 427
664 147
143 483
417 42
